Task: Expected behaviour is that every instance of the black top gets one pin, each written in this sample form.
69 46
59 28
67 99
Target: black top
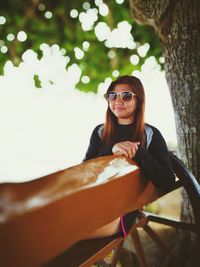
154 160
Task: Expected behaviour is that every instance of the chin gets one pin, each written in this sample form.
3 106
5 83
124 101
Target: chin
123 117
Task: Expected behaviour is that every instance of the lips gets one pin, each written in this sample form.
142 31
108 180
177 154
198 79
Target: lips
119 108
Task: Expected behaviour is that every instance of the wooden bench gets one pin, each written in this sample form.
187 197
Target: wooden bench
43 221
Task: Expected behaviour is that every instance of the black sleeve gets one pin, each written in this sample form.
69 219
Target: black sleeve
156 162
95 148
94 145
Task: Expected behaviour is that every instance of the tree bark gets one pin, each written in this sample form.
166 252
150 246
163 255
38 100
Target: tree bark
177 24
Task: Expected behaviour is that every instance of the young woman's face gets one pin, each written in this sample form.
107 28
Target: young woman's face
123 110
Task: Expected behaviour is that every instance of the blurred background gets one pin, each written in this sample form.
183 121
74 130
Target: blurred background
57 59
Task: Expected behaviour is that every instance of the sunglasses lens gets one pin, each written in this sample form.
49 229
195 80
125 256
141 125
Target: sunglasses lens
126 96
112 96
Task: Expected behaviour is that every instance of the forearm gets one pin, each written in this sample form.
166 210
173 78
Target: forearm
160 173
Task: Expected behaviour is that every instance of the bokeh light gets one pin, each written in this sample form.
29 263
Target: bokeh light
85 79
48 14
143 49
103 9
88 18
86 45
102 31
120 37
74 13
134 59
63 51
10 37
115 73
111 54
162 60
41 7
4 49
98 2
79 54
119 2
21 36
2 20
86 5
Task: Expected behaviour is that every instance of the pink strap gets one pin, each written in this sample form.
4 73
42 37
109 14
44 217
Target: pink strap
122 226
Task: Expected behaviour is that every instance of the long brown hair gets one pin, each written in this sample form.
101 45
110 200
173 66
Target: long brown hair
111 121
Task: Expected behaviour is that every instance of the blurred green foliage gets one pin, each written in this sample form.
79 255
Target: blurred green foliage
61 29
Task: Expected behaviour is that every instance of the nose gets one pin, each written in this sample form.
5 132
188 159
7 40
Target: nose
119 100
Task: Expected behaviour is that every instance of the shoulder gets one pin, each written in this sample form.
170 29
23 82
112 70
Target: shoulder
152 129
152 133
98 130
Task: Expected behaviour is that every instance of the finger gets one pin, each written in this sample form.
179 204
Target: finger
121 152
126 148
128 151
117 153
133 151
124 152
123 147
127 145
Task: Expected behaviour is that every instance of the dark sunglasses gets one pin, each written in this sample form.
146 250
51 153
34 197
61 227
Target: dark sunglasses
124 96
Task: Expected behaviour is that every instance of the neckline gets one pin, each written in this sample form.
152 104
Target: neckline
125 125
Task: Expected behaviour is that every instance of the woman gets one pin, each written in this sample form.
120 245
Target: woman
125 133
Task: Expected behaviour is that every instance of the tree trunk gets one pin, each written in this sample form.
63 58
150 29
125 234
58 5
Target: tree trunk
177 24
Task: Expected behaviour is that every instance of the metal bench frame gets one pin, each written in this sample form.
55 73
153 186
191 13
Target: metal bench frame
86 253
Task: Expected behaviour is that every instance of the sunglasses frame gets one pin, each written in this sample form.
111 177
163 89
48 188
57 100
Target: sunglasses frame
120 95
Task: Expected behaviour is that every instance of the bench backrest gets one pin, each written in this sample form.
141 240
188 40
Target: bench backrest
39 219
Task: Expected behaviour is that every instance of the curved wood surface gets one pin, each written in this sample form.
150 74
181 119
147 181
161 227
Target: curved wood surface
41 218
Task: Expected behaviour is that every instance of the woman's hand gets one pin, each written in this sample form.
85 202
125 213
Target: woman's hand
126 148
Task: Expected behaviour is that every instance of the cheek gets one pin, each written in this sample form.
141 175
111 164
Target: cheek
133 105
